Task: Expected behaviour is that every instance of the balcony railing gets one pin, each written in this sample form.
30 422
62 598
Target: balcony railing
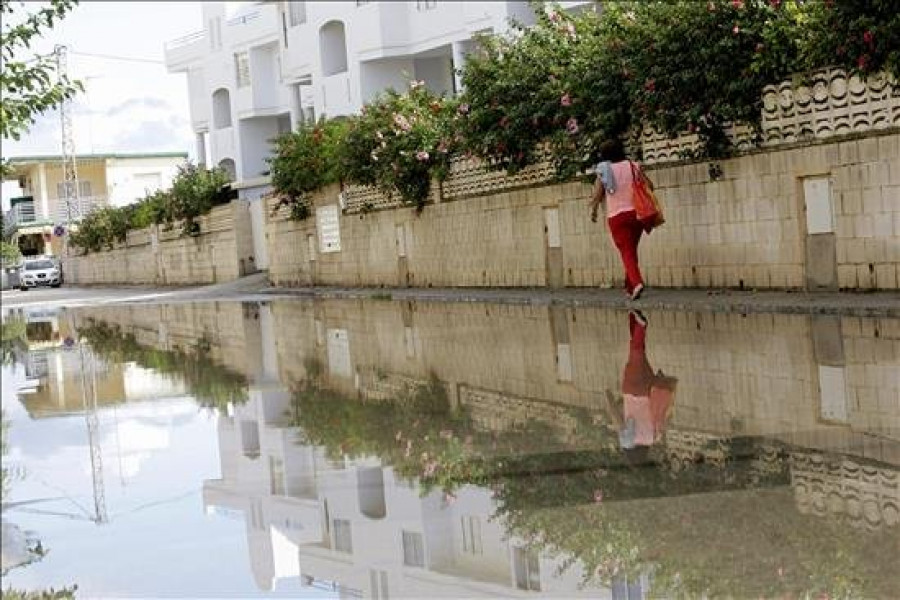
243 19
79 209
186 40
22 212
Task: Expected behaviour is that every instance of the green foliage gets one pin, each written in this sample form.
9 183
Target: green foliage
101 229
13 338
306 160
399 142
211 385
28 84
862 36
9 253
66 593
194 192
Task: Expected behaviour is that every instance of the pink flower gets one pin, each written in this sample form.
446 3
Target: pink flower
463 109
598 496
566 100
401 122
570 30
774 3
553 16
863 62
868 37
422 156
504 121
736 30
572 125
430 468
738 4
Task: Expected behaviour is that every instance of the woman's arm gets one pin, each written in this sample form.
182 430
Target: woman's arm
597 199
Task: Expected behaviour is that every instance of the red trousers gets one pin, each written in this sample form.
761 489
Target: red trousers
626 232
638 374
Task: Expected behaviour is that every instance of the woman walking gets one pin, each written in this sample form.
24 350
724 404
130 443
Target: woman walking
614 186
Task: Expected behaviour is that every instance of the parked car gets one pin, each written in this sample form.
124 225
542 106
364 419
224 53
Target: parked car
40 271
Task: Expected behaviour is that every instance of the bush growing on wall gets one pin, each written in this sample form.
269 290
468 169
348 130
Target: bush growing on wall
195 191
399 142
306 160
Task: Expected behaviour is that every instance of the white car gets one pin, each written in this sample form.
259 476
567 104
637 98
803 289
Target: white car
40 271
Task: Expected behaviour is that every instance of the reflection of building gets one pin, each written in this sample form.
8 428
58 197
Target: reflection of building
103 180
56 371
356 524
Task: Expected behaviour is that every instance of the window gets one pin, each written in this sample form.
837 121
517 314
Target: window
413 549
471 535
333 48
378 580
276 476
84 189
425 4
242 69
528 570
297 13
221 108
343 541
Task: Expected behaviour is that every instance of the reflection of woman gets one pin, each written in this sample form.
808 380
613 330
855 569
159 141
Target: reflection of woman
646 397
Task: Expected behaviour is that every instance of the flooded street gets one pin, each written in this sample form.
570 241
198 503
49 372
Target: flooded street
373 449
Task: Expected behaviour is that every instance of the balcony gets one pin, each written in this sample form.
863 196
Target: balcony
337 95
21 213
181 52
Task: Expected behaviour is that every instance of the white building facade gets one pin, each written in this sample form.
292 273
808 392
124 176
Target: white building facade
277 64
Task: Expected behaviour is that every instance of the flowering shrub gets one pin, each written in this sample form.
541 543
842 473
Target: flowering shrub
546 84
100 229
862 36
571 80
399 142
305 161
693 66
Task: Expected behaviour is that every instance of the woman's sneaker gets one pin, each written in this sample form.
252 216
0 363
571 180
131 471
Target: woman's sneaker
637 291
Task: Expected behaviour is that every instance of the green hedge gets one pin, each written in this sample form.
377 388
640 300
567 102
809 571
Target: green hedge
194 192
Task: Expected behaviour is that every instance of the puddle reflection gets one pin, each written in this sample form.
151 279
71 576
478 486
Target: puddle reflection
377 449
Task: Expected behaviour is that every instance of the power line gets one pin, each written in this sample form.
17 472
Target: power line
117 57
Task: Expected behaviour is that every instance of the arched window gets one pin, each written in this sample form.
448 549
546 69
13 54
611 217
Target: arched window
333 48
221 108
228 166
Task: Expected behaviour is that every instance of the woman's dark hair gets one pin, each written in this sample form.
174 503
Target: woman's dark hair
612 150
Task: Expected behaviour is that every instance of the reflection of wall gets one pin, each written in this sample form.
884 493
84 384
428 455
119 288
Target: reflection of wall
738 375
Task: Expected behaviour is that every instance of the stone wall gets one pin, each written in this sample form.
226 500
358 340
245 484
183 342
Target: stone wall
155 256
746 227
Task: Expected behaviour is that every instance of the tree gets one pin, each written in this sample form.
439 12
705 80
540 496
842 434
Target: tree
27 83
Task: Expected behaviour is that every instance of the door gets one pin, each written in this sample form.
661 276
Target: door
821 242
258 231
553 245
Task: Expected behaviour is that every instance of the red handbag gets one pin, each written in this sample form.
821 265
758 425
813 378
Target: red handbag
646 204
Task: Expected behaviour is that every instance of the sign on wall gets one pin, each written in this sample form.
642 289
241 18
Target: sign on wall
329 227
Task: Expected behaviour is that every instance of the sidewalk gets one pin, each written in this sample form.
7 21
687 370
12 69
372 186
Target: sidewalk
874 304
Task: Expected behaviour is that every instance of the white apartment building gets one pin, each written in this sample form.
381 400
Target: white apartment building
276 64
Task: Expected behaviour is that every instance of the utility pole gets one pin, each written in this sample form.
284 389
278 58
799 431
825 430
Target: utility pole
69 166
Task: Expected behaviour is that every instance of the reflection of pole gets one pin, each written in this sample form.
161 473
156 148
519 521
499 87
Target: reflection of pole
90 417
